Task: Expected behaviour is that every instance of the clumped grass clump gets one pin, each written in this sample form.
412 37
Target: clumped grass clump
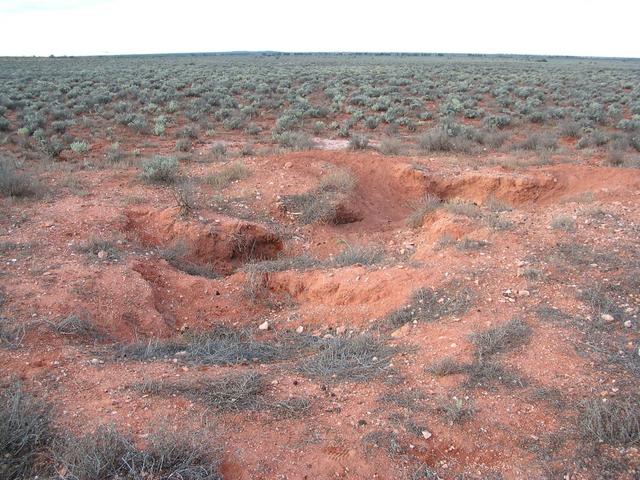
438 140
299 263
176 256
77 326
456 410
160 169
16 185
100 248
446 366
221 346
462 207
219 151
428 305
358 255
600 301
291 408
183 145
391 146
25 433
227 175
484 373
578 254
10 336
358 142
109 454
614 421
498 223
421 209
114 153
322 204
468 244
563 222
354 359
539 142
501 338
231 392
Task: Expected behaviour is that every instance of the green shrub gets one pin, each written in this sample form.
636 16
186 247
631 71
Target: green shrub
79 146
294 140
52 146
160 169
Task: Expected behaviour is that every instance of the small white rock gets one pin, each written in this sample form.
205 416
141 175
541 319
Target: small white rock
263 326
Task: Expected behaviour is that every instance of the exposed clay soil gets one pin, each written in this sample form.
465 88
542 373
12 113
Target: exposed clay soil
516 432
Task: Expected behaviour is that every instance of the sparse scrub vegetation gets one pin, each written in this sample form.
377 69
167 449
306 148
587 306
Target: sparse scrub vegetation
175 234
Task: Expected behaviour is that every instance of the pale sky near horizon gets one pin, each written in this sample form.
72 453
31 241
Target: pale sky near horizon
98 27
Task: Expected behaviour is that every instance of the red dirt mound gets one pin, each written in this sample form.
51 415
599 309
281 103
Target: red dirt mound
225 243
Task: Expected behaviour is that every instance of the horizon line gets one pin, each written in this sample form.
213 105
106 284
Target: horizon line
321 52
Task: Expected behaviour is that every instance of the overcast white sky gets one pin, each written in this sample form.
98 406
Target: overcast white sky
563 27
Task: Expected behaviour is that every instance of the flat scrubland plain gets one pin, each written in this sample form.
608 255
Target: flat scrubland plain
337 266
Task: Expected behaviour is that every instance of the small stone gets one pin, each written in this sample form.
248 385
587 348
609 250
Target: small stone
523 293
426 434
288 165
102 254
263 326
341 330
300 329
607 318
628 324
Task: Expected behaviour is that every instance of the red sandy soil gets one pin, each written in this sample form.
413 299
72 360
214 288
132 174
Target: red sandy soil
139 295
